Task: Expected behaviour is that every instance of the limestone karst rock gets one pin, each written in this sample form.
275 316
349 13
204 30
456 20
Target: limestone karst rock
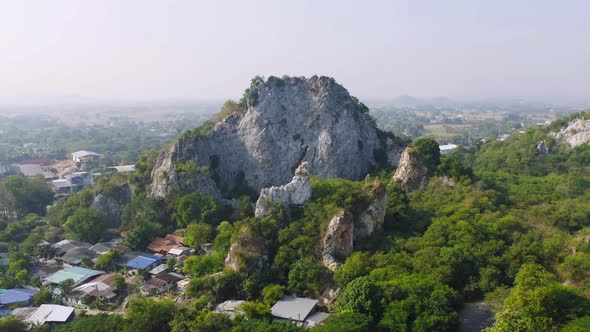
371 220
296 192
337 243
287 121
410 173
247 253
577 132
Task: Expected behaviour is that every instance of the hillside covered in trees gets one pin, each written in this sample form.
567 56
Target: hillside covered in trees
508 224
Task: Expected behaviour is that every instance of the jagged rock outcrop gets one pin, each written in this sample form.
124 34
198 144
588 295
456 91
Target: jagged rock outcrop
166 176
410 173
296 192
371 220
111 203
337 243
288 121
248 252
576 133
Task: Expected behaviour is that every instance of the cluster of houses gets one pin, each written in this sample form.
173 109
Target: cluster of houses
62 271
64 177
74 285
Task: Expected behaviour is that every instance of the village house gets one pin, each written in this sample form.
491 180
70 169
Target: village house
101 287
161 283
16 296
44 271
63 246
144 262
50 314
159 269
79 275
70 184
301 311
83 156
164 245
75 255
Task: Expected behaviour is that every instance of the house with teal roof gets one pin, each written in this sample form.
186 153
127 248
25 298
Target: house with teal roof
78 274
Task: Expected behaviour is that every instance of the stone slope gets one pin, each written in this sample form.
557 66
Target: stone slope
577 132
289 121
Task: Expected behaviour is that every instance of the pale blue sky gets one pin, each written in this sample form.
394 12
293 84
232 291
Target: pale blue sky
121 49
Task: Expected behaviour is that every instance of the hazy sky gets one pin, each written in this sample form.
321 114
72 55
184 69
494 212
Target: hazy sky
137 50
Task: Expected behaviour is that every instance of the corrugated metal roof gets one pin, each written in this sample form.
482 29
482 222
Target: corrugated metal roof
143 261
17 295
50 313
159 269
75 273
317 318
291 307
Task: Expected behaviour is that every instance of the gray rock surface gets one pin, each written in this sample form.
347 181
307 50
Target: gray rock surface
410 174
296 192
542 148
337 243
112 203
576 133
294 120
371 220
247 253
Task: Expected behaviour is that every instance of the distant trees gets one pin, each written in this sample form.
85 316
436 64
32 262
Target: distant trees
21 195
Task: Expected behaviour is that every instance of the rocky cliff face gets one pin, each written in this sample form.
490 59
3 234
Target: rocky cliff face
296 192
576 133
410 173
111 203
345 229
290 121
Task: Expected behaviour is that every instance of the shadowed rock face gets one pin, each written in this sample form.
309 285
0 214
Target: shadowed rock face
294 120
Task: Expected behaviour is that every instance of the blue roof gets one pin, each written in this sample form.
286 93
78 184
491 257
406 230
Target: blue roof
17 295
143 261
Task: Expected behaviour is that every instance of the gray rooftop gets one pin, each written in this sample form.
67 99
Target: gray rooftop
295 308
